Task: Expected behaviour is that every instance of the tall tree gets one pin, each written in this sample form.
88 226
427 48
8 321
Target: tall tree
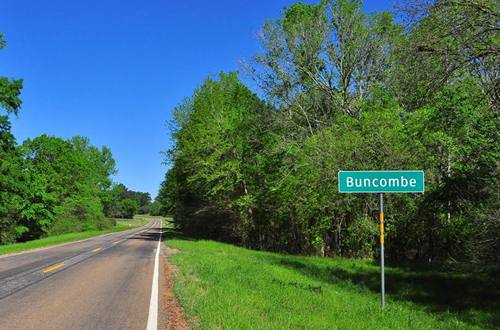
10 89
216 146
449 38
12 178
68 179
321 59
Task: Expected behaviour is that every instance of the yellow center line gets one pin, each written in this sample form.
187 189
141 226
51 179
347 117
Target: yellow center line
54 267
95 250
116 242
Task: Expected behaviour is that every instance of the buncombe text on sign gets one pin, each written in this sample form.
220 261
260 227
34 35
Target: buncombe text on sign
381 181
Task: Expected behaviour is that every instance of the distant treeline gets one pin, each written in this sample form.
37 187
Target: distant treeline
49 185
124 203
345 90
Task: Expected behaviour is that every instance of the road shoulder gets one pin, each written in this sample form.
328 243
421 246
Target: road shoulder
173 313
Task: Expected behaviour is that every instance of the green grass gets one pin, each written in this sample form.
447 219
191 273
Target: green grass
137 221
222 286
121 224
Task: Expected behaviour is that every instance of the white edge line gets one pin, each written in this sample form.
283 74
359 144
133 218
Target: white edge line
153 303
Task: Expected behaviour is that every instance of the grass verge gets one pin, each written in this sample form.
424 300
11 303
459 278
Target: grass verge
121 225
137 221
226 287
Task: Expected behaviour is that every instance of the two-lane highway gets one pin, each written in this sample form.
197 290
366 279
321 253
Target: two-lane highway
106 282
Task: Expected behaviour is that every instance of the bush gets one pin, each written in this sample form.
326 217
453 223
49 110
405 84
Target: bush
127 208
79 213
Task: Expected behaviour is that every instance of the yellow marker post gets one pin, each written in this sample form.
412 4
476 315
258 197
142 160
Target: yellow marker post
382 276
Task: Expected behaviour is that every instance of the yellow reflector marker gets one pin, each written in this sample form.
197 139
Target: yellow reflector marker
382 228
52 268
382 239
381 217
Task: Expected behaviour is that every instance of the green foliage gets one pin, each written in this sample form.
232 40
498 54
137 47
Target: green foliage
54 186
128 207
66 179
120 202
10 90
12 177
322 59
79 213
448 37
12 185
49 185
167 194
217 144
458 135
155 208
9 94
349 91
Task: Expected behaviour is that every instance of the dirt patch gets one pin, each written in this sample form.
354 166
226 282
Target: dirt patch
173 310
170 251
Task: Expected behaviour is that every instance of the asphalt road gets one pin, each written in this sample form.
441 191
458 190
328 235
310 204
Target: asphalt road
106 282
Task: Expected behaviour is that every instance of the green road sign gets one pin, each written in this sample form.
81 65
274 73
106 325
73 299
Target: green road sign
381 181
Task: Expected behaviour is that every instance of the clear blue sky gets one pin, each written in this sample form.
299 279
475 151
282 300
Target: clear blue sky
114 70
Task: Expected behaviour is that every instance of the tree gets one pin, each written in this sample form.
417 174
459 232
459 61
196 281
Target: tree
115 207
324 58
458 135
168 194
216 147
449 38
51 185
127 208
155 208
12 185
62 174
12 178
10 90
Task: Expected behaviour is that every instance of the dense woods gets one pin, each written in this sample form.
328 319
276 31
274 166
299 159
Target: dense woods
50 186
346 90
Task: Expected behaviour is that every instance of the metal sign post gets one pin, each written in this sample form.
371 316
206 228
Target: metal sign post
382 266
381 182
